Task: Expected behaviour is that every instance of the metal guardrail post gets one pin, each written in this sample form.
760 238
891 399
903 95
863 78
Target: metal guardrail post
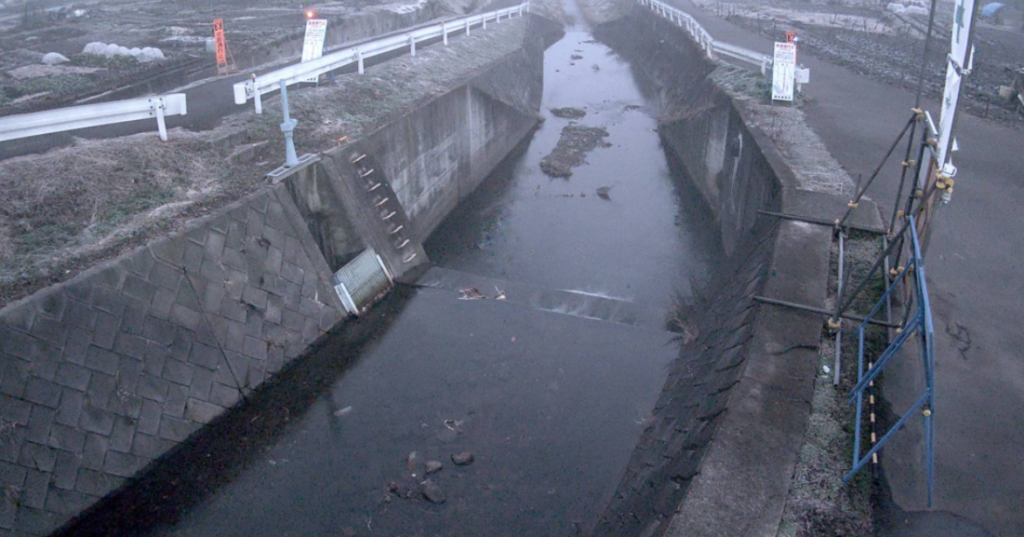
161 125
257 99
713 48
287 127
309 70
71 118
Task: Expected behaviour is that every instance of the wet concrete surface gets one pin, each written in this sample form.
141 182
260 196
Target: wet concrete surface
551 405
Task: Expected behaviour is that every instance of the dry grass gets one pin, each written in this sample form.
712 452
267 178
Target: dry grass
71 196
70 201
819 502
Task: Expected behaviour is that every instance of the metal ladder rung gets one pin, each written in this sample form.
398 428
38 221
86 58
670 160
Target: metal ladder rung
381 202
374 187
410 258
405 242
396 230
388 217
357 159
367 172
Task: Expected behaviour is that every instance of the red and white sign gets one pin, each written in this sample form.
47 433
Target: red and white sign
218 39
784 72
313 46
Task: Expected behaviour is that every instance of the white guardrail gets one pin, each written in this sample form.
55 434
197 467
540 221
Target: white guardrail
94 115
704 39
301 72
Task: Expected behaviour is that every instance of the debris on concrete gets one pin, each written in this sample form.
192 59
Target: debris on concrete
403 489
434 467
447 436
463 459
572 148
575 57
432 492
568 112
603 191
470 293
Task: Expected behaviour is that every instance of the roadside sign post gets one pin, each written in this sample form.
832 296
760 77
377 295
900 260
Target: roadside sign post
959 63
223 67
784 72
313 45
287 128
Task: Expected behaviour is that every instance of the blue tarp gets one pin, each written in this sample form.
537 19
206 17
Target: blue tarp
991 9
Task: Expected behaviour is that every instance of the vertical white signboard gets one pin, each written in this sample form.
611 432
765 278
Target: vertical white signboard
784 72
313 46
959 60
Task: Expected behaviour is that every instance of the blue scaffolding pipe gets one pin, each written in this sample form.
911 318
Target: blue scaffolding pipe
920 324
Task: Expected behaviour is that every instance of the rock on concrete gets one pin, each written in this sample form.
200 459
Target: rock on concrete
463 459
432 492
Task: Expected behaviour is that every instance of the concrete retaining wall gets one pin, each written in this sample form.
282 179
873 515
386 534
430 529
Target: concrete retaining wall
726 164
437 155
726 431
102 375
105 373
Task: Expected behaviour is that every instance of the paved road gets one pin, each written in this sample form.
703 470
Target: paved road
974 271
208 104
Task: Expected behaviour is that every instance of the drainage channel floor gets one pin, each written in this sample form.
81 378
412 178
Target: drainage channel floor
550 404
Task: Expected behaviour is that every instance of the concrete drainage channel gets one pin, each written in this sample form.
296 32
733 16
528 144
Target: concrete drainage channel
174 372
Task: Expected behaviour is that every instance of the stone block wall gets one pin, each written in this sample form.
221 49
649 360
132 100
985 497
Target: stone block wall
103 374
696 394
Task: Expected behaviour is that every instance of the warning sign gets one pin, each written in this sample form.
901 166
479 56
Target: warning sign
313 46
784 72
218 39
